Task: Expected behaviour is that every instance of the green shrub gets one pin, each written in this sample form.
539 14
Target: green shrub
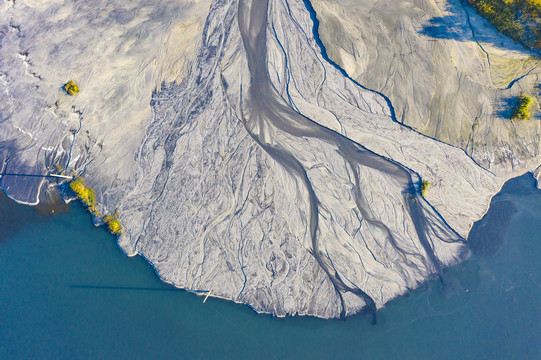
71 87
522 109
113 224
85 194
88 197
425 185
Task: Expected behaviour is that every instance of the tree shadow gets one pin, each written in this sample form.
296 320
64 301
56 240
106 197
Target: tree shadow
446 27
505 107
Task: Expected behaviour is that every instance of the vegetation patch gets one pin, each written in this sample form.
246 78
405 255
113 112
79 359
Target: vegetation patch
522 109
518 19
88 197
425 185
71 88
113 224
85 194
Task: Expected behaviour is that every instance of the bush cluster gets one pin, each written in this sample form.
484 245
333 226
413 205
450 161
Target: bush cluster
88 197
85 194
425 185
71 87
113 224
522 109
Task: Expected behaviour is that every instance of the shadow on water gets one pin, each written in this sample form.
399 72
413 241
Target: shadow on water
132 288
487 235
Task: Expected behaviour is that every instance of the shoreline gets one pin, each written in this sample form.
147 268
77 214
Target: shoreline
464 256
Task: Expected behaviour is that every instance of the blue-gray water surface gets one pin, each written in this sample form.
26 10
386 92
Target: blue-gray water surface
68 292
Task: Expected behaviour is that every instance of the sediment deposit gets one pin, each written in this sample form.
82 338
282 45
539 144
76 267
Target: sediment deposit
262 170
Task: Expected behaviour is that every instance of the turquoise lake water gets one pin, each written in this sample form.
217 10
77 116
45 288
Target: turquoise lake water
68 292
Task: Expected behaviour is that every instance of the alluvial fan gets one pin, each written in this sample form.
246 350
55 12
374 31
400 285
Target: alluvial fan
269 177
262 187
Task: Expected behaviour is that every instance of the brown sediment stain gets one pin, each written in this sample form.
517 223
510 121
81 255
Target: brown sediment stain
52 209
51 203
